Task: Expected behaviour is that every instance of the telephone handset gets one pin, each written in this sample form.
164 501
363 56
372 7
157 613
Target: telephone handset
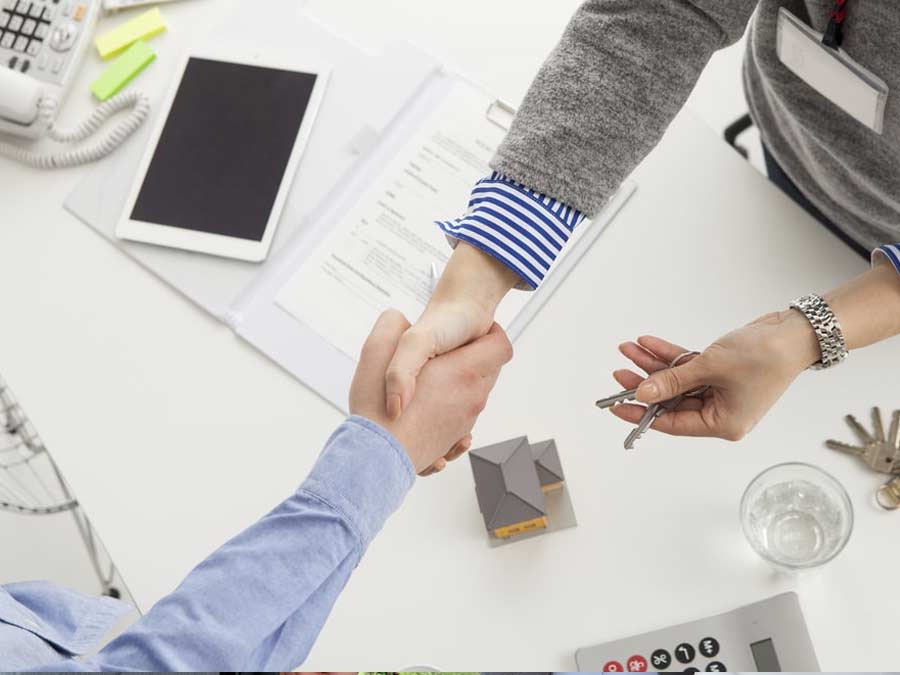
42 43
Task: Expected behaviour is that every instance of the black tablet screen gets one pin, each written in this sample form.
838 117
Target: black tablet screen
224 148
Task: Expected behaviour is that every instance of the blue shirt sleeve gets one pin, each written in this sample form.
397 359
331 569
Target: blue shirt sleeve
889 253
259 602
523 229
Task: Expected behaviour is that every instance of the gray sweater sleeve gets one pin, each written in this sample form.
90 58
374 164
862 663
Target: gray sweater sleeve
605 96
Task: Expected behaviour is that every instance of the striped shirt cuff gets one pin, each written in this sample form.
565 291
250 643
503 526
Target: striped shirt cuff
523 229
889 253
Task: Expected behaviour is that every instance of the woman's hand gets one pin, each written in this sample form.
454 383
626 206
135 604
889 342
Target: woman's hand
460 310
453 390
747 371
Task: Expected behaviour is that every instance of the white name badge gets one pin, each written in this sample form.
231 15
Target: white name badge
831 72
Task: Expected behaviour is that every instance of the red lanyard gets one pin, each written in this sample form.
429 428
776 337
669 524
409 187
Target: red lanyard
834 34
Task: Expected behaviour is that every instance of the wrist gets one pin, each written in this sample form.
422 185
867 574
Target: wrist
475 277
799 344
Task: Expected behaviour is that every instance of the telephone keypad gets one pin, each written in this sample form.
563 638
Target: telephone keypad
33 28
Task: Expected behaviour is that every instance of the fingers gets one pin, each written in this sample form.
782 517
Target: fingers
379 348
488 354
457 451
688 420
663 349
628 379
643 359
416 347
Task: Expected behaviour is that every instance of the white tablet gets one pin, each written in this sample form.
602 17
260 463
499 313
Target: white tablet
222 157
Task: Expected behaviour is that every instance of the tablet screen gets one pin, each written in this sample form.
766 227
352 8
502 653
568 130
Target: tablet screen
224 148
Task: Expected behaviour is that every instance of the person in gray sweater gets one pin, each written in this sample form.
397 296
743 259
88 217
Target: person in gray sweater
603 99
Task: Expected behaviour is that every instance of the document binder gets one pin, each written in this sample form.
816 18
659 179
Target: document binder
373 103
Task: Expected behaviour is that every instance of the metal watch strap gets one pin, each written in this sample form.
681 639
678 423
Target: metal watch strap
827 328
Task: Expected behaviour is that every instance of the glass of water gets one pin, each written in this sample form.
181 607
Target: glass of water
796 516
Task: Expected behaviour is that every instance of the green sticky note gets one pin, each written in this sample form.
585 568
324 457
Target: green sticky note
123 70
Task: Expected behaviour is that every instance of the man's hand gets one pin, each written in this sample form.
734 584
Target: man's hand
451 392
747 371
461 310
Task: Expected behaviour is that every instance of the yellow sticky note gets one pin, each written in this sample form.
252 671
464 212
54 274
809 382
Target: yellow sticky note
141 27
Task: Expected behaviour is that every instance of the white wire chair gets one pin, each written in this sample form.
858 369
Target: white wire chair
31 484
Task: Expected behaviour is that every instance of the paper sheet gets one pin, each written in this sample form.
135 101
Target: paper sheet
380 255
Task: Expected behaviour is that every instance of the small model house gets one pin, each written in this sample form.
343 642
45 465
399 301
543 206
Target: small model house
510 481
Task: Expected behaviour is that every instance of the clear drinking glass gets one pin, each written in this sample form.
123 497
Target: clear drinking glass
796 516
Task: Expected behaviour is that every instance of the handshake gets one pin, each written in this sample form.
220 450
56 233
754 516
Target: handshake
451 390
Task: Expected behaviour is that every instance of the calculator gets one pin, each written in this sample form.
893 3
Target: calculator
767 636
46 40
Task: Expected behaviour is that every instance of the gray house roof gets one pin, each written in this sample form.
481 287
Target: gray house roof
506 483
546 457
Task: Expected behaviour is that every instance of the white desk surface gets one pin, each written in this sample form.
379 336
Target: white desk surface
175 434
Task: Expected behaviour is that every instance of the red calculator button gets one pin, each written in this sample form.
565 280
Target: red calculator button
613 667
637 664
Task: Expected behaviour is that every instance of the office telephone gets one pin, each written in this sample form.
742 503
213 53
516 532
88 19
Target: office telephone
42 43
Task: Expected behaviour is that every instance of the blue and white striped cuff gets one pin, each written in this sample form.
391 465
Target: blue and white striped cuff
523 229
891 253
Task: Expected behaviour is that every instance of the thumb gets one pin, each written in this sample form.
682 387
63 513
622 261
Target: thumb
416 347
671 382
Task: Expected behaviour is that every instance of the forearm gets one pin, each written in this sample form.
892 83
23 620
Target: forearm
607 93
259 602
475 275
867 307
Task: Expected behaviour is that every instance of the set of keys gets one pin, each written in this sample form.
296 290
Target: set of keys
879 451
654 410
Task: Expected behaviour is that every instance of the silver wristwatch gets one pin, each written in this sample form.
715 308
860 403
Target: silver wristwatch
827 328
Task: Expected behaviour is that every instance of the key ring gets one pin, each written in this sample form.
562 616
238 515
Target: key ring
888 495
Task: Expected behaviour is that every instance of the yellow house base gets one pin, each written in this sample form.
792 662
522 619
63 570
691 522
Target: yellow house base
519 528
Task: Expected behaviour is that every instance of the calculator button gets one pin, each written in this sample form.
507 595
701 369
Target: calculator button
36 11
21 43
28 27
41 31
637 664
13 60
4 19
685 652
716 667
22 7
709 647
7 40
661 659
26 64
613 667
690 671
34 48
15 23
48 14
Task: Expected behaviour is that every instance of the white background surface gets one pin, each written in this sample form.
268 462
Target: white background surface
174 434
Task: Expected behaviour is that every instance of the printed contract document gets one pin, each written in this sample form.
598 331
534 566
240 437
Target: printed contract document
380 255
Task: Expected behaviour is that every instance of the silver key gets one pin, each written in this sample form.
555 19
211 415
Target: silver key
877 425
864 436
653 411
623 397
894 433
877 451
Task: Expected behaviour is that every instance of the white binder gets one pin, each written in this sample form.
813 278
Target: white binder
373 103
